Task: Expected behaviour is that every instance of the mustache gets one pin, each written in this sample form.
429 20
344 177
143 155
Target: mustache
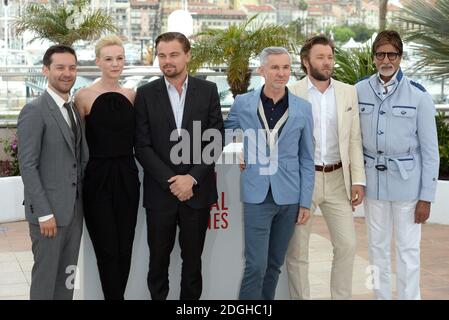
168 65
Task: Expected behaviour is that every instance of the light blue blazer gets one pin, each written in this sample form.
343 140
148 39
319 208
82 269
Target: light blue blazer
400 143
289 167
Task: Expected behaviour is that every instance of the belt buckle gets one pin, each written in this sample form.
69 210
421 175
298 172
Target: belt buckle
380 167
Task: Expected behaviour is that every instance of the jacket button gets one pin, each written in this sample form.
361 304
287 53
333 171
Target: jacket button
74 184
74 165
382 112
363 109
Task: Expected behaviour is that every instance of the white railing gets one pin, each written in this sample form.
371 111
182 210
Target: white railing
20 84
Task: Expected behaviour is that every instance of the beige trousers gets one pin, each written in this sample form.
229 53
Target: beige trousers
331 197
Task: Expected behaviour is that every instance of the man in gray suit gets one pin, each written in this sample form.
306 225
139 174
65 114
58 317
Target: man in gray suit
52 157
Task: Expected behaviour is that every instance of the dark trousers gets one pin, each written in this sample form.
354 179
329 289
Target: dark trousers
112 238
162 227
111 201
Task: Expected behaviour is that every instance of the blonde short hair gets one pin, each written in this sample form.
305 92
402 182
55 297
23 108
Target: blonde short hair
109 40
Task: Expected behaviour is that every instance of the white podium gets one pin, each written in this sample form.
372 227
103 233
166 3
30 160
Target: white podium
223 260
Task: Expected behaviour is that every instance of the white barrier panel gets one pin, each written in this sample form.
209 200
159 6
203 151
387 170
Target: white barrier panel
223 260
11 195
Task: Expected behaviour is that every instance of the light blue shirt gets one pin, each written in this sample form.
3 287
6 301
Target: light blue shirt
177 101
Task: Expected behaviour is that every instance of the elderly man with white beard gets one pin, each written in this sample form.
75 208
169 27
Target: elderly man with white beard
397 118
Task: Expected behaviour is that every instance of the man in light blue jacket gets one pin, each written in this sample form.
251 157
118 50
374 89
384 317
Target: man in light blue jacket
400 146
278 180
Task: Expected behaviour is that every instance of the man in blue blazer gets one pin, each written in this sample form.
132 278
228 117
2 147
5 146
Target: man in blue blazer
278 179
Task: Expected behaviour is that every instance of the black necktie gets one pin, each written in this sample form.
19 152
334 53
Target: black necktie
68 107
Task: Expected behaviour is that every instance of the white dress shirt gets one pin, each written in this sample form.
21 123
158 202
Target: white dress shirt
325 132
60 103
177 102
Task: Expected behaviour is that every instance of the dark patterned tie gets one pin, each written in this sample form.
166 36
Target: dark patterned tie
68 107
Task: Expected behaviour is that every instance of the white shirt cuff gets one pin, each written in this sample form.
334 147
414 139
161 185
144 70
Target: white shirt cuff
45 218
359 184
194 181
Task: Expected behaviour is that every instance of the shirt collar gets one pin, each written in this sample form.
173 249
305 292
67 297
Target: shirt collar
266 99
170 86
57 98
310 84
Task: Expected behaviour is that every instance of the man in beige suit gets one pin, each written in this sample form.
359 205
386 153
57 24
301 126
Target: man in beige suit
339 176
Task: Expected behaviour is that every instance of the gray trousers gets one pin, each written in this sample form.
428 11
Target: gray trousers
55 259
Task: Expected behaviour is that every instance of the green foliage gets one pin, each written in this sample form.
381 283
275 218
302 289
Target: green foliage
362 32
296 30
443 144
64 24
352 65
302 5
431 34
10 147
342 33
235 47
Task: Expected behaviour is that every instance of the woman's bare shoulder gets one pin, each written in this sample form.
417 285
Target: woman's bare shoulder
129 93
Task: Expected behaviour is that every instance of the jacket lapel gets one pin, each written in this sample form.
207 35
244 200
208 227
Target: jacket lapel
164 102
373 84
253 106
254 101
62 124
301 89
340 104
189 102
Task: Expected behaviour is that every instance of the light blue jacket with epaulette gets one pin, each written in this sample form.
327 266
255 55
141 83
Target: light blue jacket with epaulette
400 143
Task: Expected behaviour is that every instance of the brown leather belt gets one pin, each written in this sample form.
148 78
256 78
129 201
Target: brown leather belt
328 167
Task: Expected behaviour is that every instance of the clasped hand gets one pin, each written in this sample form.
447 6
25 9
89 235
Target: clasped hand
181 187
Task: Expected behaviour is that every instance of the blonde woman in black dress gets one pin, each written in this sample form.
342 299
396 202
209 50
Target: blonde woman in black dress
111 185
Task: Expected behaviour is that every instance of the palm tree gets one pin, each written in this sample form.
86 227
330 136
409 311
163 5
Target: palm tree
353 65
430 33
383 8
64 24
235 46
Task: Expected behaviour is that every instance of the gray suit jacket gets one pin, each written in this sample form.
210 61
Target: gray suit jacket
51 172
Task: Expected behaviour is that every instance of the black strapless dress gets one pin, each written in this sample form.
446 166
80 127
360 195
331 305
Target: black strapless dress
111 189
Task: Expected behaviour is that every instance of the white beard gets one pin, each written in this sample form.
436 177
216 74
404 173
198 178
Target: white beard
387 72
